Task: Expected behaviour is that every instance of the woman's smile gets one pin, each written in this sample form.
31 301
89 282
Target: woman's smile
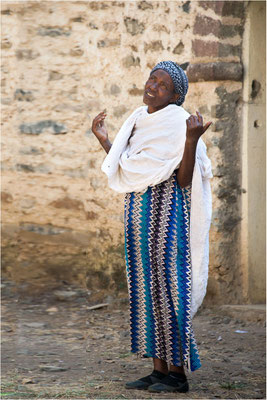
149 94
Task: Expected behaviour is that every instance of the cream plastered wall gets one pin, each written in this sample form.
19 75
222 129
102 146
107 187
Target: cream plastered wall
62 63
254 155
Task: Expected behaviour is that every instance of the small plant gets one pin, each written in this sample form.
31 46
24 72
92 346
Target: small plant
232 385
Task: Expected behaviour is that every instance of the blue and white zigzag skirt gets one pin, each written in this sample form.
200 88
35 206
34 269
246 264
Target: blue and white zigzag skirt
158 267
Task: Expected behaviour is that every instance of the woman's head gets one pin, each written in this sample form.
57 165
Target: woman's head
167 84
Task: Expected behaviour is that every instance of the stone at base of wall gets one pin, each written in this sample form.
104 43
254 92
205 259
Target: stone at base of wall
49 254
245 312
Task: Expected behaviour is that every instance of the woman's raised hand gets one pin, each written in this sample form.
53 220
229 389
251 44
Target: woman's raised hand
195 127
98 127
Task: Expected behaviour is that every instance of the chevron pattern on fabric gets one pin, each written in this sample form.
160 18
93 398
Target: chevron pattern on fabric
158 265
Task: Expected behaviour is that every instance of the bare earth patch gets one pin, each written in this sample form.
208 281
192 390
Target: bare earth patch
60 349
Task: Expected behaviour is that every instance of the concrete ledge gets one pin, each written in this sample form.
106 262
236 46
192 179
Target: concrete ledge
215 71
246 312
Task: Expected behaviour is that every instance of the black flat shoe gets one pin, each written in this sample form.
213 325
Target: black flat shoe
144 383
171 383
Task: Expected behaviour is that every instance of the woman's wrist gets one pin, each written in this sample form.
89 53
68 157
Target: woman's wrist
104 142
192 142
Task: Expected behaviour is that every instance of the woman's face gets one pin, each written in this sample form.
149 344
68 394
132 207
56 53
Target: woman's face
159 91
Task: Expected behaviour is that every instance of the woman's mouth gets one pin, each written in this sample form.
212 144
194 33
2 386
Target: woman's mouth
149 94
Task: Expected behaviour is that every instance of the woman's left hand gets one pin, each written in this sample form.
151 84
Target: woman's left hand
195 127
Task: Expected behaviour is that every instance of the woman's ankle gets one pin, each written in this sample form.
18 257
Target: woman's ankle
160 365
178 370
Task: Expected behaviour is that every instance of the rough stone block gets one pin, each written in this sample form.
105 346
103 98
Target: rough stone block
77 172
119 111
220 110
30 150
131 61
114 89
179 48
53 31
220 171
217 71
7 11
91 215
6 44
43 229
22 95
24 167
6 197
161 28
109 42
68 203
219 125
230 30
43 126
145 5
54 76
134 47
77 19
41 168
133 26
27 203
98 5
216 6
92 25
186 7
225 8
233 9
110 26
76 51
27 54
201 48
206 25
229 50
156 45
134 91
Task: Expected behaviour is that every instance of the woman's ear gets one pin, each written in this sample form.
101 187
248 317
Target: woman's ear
175 97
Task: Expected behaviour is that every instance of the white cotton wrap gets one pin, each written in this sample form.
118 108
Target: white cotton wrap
145 152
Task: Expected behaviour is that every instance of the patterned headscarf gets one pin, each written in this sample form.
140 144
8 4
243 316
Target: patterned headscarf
178 76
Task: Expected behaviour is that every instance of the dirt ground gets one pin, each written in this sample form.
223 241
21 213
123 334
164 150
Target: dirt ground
54 348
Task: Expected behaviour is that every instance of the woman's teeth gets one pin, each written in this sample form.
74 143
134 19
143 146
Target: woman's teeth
149 94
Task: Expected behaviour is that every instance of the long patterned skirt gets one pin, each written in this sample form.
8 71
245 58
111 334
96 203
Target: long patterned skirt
158 265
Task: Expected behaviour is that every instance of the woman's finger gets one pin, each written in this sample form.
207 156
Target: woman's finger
200 118
208 124
194 119
99 118
100 115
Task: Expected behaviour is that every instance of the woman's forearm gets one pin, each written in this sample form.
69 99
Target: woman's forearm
185 171
106 145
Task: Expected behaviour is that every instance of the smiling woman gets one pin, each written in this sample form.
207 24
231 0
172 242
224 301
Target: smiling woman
159 161
159 91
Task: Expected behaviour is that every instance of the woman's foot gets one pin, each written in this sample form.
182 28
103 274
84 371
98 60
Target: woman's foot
173 382
143 383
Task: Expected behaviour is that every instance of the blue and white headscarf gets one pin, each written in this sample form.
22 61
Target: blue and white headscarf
178 76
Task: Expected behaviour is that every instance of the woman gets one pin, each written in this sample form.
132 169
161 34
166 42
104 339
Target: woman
159 160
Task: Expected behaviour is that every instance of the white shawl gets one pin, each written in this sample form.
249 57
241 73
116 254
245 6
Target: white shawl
145 152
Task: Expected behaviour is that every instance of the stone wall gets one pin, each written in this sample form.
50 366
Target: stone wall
63 62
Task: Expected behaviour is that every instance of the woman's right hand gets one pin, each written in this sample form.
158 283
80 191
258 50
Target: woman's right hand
98 127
